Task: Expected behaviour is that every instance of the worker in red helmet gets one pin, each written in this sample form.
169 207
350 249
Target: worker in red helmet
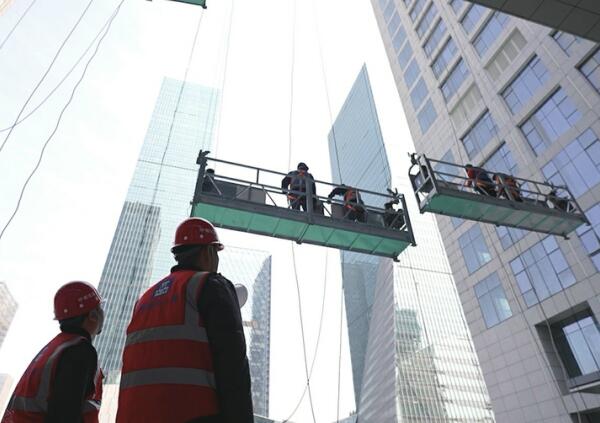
63 383
185 352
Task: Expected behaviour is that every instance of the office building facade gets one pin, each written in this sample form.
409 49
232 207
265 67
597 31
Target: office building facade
412 357
512 96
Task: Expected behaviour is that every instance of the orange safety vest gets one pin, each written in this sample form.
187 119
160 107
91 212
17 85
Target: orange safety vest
29 402
350 198
167 373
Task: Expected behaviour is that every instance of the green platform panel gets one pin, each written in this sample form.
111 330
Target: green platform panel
295 225
532 217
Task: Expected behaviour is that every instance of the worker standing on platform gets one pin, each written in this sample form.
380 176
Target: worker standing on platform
479 180
353 204
63 383
185 352
294 183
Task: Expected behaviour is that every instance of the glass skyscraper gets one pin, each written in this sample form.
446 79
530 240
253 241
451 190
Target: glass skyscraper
252 268
412 356
158 199
8 309
512 96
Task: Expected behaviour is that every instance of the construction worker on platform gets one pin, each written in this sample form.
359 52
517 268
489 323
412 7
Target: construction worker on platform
295 183
479 180
353 204
185 352
63 383
507 187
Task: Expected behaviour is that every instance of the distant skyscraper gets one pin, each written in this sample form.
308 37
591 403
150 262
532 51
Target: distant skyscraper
5 390
512 96
8 309
253 269
412 357
157 201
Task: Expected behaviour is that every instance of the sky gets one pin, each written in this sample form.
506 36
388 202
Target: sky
69 212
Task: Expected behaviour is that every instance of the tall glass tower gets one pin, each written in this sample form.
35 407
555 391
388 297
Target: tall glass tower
512 96
157 201
253 269
412 356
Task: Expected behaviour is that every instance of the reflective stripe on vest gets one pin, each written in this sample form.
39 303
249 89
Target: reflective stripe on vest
190 330
168 375
39 403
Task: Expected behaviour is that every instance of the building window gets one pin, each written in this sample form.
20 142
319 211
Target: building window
577 340
418 94
474 249
456 222
442 61
490 33
407 2
506 54
591 70
567 42
457 5
434 39
542 271
412 73
502 161
427 116
590 235
393 24
550 121
492 300
449 172
399 39
404 55
480 135
472 17
508 236
417 9
577 165
455 79
524 86
389 10
427 20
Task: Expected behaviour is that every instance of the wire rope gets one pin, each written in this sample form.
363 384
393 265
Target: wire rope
16 24
57 86
56 55
51 136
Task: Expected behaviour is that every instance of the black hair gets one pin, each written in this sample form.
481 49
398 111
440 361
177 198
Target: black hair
186 254
73 322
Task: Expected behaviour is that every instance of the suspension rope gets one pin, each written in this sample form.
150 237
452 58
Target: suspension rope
46 72
51 136
90 45
314 359
340 352
224 78
16 24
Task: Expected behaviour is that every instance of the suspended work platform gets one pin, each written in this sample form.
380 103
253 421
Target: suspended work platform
250 199
504 200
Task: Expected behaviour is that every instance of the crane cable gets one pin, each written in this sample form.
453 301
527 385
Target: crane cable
16 24
51 136
46 72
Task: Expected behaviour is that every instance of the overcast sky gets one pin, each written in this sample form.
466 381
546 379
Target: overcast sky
69 212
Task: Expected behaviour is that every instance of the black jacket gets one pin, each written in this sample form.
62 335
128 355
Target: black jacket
73 381
218 305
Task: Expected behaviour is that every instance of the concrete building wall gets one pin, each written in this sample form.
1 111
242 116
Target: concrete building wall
524 372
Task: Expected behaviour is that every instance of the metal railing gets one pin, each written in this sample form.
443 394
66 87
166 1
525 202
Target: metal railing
239 182
427 175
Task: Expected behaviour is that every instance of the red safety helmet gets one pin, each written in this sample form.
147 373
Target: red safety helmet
75 299
196 231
